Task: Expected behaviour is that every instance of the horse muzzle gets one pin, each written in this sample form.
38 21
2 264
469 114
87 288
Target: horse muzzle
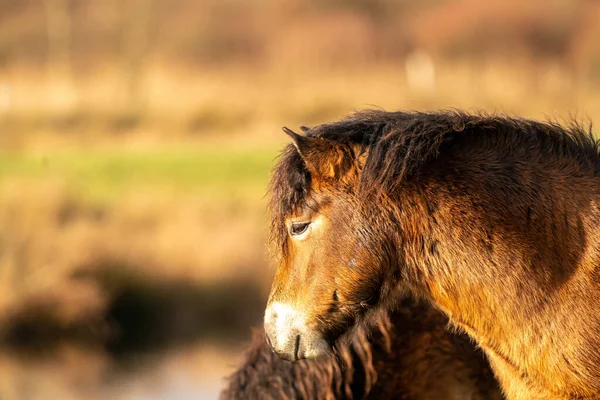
288 336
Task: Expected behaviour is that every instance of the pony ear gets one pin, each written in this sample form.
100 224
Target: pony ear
324 158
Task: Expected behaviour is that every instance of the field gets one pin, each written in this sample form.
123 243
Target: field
193 204
134 164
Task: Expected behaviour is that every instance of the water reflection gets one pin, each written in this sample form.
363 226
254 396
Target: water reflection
72 373
155 339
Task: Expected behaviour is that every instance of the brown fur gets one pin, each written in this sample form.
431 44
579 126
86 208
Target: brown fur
411 356
493 219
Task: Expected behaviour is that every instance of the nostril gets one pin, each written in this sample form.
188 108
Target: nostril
297 347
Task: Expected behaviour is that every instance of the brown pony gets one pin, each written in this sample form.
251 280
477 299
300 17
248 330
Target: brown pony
492 219
409 356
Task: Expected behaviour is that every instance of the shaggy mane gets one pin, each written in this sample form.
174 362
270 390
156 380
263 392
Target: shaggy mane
350 374
400 144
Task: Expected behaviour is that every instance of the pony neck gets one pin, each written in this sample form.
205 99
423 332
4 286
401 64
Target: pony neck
517 282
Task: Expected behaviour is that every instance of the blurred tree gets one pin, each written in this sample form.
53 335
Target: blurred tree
136 23
58 22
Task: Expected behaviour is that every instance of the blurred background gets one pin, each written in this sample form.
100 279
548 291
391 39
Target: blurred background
136 138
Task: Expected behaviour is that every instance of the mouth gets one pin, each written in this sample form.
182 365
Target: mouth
297 348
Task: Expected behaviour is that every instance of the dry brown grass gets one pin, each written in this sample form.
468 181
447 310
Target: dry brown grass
87 242
224 80
50 237
246 106
213 232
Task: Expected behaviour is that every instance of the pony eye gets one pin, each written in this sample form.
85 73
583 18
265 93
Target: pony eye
298 228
